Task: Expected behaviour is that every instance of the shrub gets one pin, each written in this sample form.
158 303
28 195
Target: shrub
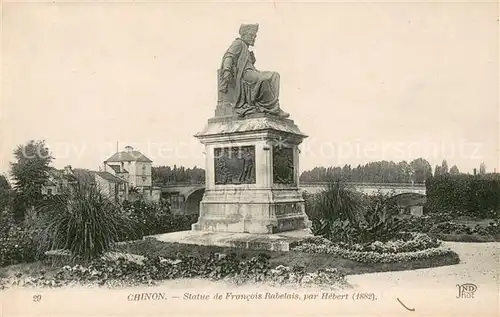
151 218
16 243
81 220
17 247
378 222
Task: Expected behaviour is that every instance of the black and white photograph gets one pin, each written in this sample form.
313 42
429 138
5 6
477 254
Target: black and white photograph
246 158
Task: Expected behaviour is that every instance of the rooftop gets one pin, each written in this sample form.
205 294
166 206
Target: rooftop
116 168
110 177
129 155
84 176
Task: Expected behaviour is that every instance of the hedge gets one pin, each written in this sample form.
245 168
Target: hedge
464 195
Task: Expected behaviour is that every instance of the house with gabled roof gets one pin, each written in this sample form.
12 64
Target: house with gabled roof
110 185
57 180
134 167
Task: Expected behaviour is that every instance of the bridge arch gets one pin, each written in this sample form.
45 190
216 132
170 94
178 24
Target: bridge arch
192 201
407 203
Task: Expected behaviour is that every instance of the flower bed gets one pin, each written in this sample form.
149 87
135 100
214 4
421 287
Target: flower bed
408 242
126 272
417 249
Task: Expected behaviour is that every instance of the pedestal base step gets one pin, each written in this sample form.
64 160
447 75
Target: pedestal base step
269 242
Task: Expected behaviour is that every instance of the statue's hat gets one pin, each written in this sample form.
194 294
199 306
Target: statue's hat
249 28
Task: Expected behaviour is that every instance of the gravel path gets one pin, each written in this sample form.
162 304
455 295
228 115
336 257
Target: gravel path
479 264
435 289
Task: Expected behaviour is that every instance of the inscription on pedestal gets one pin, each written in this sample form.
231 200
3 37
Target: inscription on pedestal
283 170
287 209
234 165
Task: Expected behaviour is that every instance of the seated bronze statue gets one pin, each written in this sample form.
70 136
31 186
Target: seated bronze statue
253 91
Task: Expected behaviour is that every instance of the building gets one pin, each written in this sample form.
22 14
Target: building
125 175
58 180
134 167
110 185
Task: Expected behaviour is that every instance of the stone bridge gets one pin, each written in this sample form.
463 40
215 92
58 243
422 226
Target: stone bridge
186 197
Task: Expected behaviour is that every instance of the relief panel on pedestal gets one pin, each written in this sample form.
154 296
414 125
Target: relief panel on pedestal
283 166
234 165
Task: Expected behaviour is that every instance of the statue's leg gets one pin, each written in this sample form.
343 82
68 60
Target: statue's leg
264 91
274 83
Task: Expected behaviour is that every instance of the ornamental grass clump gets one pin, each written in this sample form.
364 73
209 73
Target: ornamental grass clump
341 214
83 221
334 211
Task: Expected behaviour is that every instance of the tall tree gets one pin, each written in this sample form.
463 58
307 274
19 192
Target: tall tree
29 172
437 170
421 170
454 170
482 168
444 168
404 172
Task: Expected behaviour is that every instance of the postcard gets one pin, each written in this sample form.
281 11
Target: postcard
247 158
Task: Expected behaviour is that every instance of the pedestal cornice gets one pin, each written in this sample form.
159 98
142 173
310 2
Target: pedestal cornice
254 127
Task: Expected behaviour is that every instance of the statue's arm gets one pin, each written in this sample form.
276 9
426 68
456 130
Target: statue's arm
231 55
228 60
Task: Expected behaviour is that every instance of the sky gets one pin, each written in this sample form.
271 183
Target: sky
365 81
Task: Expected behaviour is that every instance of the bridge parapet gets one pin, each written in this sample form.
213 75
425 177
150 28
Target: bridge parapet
397 188
181 193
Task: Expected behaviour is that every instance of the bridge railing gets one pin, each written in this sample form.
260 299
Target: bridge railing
309 184
366 184
179 184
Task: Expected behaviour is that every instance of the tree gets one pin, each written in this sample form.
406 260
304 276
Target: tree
482 168
404 172
437 170
454 170
421 170
4 183
5 194
29 172
444 168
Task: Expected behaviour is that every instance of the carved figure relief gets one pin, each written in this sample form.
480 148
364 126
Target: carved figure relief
234 165
283 167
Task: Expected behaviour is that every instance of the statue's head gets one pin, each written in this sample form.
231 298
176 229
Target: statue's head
248 33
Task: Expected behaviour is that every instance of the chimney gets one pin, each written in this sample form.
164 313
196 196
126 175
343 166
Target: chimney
129 149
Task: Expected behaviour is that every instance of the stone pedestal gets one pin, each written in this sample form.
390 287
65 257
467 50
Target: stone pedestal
252 176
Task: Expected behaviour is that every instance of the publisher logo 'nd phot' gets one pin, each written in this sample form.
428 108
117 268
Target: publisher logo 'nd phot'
466 290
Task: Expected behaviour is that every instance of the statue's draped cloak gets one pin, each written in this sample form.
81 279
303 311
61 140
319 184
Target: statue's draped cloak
255 91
